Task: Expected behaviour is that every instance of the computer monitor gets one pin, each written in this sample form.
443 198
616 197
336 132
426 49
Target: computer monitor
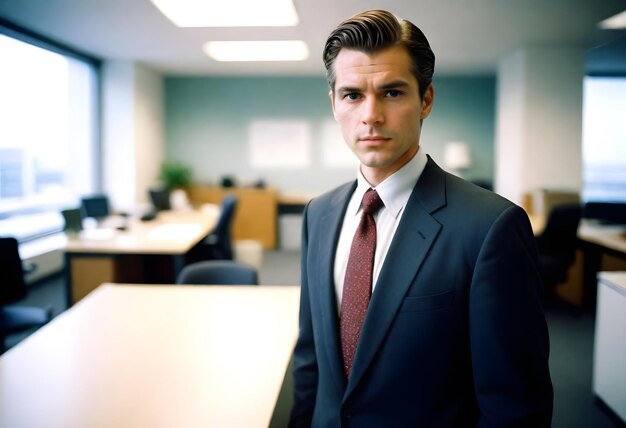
160 198
96 206
607 212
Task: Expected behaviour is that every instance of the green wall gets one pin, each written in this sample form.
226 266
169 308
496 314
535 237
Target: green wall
208 118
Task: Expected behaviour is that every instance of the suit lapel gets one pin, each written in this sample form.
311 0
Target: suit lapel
414 237
330 226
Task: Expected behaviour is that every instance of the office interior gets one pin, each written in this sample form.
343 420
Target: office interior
509 117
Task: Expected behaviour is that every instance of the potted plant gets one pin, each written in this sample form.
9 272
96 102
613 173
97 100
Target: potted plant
175 175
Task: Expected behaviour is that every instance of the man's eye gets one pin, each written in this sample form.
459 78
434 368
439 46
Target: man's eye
352 96
393 93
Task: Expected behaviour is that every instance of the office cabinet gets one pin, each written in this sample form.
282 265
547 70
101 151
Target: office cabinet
609 365
255 215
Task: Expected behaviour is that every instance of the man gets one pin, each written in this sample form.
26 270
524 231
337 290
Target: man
420 305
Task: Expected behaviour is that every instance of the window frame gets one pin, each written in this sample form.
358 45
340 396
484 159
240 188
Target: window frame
25 35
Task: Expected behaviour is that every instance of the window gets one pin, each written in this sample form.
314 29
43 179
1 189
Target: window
48 136
604 139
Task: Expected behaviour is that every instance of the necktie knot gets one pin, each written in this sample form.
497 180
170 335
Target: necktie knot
371 202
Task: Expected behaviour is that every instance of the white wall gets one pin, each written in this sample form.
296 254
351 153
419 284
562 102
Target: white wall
539 121
118 155
149 130
133 135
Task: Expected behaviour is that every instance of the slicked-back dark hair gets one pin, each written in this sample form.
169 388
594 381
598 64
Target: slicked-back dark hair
375 30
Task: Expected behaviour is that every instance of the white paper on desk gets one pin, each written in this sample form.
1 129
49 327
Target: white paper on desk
174 231
99 234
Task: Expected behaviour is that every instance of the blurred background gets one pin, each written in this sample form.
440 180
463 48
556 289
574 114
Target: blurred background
119 97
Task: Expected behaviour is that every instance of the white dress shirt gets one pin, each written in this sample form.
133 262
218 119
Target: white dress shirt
394 192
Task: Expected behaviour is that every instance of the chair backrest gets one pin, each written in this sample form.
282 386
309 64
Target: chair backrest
160 198
561 228
222 234
73 220
218 272
96 206
12 286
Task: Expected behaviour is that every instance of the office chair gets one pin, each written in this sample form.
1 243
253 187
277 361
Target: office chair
160 198
13 318
218 245
73 220
218 272
557 245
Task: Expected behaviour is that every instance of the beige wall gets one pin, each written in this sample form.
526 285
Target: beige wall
539 121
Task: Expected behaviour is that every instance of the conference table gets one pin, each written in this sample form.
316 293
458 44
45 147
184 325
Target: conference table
154 356
137 252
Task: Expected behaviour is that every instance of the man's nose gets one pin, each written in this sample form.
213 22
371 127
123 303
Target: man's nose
372 112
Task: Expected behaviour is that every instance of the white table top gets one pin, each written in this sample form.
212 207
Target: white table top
616 280
170 233
154 356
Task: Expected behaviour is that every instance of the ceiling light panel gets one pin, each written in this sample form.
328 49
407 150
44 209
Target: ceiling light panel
275 50
615 22
229 13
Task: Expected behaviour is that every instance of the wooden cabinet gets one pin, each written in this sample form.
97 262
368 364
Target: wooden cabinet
255 215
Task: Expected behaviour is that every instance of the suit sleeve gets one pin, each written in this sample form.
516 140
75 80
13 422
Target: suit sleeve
508 332
305 370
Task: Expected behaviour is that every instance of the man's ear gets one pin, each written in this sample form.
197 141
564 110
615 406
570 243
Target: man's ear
331 95
427 101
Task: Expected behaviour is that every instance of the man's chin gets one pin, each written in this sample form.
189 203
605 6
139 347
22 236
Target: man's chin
374 161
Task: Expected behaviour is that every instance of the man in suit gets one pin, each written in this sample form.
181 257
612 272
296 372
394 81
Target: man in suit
449 331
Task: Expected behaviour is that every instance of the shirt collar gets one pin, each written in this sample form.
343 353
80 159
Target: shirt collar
396 189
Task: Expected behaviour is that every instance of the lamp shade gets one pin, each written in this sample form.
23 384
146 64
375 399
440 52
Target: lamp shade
456 155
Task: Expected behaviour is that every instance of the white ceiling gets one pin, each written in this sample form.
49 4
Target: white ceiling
468 36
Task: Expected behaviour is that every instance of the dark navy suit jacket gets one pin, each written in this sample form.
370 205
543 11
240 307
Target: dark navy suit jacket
454 335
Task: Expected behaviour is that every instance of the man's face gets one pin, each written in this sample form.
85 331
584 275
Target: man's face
376 102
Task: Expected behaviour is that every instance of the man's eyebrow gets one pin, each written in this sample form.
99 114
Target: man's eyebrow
348 89
396 84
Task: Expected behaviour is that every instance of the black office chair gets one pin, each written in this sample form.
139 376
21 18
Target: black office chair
160 198
557 245
218 245
73 218
218 272
13 318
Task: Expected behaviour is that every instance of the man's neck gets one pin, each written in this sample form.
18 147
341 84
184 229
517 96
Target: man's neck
375 176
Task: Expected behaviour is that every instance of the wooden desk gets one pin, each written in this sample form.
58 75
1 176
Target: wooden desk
604 248
610 237
136 356
600 247
147 252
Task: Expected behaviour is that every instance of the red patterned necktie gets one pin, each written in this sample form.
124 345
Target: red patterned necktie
357 286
